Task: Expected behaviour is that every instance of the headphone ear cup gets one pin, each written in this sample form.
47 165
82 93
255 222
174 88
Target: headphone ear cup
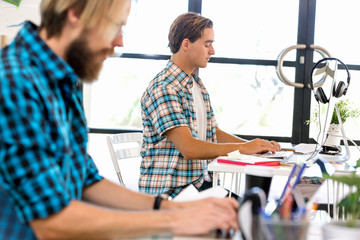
321 96
339 89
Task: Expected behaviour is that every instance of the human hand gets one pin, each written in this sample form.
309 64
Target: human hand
259 146
206 215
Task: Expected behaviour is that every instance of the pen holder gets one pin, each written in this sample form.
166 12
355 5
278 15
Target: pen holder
276 229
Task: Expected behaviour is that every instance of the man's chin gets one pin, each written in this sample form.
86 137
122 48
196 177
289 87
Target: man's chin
92 73
88 81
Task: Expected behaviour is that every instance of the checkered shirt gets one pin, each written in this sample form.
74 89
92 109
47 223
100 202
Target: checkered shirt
43 135
168 103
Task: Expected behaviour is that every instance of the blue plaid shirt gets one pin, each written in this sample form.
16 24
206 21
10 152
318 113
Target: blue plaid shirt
43 135
168 103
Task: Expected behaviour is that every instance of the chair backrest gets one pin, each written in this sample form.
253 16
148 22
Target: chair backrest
124 146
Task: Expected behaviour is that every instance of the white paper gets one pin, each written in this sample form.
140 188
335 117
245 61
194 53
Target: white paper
235 154
190 193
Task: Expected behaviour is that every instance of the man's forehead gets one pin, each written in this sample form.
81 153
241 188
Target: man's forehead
208 35
120 11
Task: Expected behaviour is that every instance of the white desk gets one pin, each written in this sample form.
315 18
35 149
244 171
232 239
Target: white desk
314 233
236 171
280 173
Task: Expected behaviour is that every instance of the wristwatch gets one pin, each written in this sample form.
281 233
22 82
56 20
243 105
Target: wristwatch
157 202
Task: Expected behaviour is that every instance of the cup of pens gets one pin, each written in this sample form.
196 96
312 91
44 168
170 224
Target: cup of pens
288 219
279 229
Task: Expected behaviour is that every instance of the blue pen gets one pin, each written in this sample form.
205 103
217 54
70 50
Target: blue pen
264 215
299 175
287 183
299 214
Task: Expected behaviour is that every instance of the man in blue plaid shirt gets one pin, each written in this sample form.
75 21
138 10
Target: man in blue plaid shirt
49 185
181 135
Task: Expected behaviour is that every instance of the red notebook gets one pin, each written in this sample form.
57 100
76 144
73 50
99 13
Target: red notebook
249 161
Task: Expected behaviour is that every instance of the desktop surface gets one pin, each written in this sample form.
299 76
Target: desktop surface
281 172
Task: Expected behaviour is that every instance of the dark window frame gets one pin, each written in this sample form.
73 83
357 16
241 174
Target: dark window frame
302 96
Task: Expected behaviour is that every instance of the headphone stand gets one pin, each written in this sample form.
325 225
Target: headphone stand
329 151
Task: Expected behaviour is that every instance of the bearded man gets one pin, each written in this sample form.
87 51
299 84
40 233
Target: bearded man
50 187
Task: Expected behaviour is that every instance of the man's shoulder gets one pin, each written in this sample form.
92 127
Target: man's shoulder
15 66
165 80
14 56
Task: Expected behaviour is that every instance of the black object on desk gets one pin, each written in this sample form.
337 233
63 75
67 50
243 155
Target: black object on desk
331 150
259 176
254 200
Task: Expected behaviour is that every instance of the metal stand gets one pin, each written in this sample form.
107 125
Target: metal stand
339 157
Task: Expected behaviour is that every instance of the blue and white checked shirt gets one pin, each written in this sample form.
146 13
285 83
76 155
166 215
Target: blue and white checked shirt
168 103
43 135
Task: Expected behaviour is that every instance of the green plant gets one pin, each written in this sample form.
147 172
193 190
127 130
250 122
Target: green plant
351 203
345 109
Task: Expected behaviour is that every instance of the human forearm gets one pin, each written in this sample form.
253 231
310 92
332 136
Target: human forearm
212 150
109 194
85 221
192 148
224 137
80 220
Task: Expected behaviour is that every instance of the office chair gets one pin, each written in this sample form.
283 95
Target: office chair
125 148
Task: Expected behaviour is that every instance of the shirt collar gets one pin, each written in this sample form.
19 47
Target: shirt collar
55 67
183 78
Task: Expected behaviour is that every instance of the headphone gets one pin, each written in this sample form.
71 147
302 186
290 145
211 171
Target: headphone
339 89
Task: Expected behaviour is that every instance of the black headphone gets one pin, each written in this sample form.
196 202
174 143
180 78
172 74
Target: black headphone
339 89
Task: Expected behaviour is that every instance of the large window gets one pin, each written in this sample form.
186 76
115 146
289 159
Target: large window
334 30
246 93
258 29
249 99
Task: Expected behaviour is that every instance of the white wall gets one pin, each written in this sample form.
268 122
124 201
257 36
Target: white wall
11 16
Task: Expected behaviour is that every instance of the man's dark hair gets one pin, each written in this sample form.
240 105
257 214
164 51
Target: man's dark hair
188 25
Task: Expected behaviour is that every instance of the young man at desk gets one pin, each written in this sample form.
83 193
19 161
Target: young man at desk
49 185
181 135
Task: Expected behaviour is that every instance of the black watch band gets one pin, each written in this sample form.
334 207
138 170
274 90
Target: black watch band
157 202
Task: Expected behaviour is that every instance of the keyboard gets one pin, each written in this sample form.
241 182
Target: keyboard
277 155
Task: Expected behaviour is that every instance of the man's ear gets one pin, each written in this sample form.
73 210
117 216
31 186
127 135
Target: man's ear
73 16
185 44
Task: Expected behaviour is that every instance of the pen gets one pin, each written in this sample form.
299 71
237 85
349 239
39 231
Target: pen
287 183
285 211
299 175
299 214
288 149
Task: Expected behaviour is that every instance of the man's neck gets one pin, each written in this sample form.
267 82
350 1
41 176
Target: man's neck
57 44
182 63
60 43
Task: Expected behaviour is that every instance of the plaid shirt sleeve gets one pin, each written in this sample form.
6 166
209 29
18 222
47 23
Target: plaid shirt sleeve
43 133
92 173
29 151
163 107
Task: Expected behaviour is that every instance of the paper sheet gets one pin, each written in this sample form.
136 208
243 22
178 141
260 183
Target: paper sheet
191 193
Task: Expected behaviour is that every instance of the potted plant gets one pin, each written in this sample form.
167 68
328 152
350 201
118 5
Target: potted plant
346 111
350 206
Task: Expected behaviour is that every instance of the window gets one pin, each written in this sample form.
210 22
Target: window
249 30
335 32
250 99
247 96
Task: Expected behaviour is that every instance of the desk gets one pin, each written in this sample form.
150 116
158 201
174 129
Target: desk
314 233
218 168
237 170
281 172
